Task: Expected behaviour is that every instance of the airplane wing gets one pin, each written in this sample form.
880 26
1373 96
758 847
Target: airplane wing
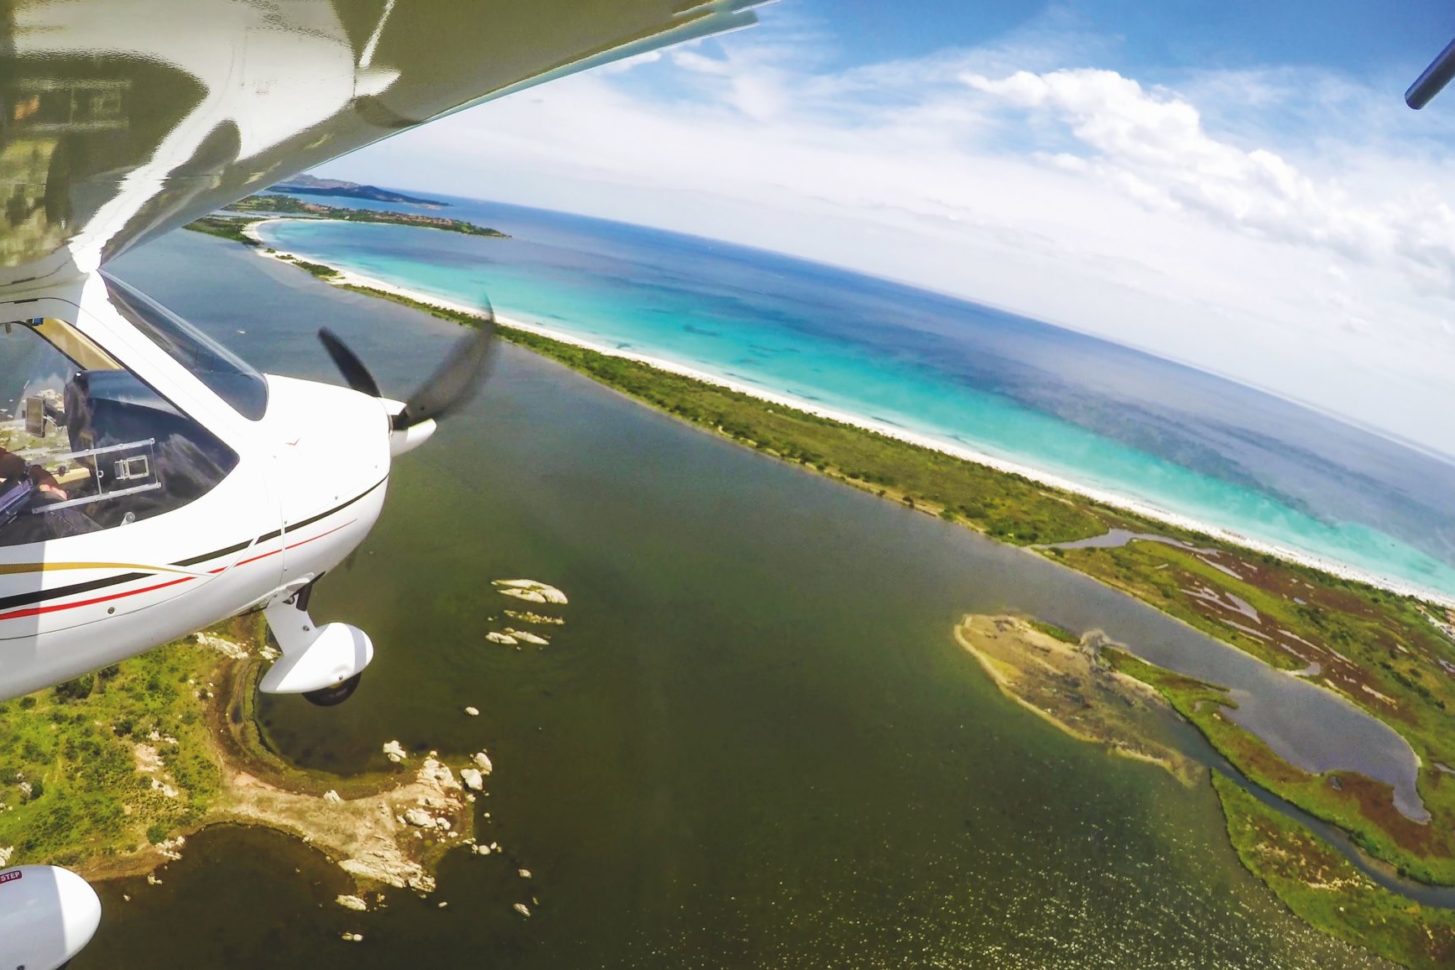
122 119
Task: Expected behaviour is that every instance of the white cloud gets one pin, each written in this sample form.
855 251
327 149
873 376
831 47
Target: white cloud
1280 226
1153 145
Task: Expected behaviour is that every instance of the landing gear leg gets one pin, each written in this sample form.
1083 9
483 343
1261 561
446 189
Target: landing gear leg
321 663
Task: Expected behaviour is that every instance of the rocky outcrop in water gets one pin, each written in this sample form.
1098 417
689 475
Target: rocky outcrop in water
530 590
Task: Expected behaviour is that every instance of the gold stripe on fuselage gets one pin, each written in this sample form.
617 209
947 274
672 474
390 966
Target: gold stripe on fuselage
16 568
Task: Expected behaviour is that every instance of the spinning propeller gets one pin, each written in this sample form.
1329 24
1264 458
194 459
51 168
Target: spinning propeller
451 385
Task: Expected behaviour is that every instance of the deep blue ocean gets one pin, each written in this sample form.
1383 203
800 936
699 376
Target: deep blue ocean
1077 406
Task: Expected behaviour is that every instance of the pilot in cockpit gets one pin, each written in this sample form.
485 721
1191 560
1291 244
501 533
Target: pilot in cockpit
35 504
88 445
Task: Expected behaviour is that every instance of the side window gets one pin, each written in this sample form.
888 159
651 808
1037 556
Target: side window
228 376
84 444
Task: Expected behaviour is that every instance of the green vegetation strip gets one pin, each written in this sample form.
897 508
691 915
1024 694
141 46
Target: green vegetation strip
1324 889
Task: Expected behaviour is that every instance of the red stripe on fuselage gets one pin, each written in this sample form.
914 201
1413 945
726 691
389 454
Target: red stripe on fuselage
57 607
36 610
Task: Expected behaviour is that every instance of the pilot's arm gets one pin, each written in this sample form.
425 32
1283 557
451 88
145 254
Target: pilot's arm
45 483
14 469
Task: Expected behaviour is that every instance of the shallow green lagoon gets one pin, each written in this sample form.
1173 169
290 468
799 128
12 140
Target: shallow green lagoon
754 743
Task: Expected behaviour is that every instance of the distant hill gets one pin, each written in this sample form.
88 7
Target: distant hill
316 186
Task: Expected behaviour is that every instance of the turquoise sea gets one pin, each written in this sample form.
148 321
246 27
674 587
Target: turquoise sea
1091 411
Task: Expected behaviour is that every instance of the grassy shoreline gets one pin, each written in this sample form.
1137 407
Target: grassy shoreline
111 773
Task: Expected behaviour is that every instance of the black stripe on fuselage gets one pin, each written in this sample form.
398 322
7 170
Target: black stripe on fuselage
238 547
337 508
40 596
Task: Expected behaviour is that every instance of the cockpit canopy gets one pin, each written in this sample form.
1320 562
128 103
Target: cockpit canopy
225 374
86 445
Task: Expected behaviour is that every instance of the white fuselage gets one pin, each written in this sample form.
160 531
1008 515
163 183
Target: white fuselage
308 486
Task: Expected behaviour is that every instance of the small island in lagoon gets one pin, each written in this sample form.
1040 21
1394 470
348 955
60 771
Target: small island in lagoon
1095 691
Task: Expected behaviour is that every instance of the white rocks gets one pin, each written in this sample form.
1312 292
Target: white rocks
482 761
352 902
472 711
525 636
473 779
522 909
419 818
503 638
224 646
6 851
529 617
152 879
394 751
523 873
333 797
530 590
439 775
171 848
352 937
480 849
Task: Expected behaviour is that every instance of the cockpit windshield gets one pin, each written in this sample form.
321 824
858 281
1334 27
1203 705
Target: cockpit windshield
226 374
84 444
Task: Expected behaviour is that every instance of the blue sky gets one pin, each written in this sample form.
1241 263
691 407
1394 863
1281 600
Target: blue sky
1362 37
1233 185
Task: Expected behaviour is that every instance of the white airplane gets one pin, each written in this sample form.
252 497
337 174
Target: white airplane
151 483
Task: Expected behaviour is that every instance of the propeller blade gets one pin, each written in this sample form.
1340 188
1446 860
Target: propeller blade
348 363
456 380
